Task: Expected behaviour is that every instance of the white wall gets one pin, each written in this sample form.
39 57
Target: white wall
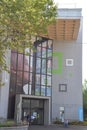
4 90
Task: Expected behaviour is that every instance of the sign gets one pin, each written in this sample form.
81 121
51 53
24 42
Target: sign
80 111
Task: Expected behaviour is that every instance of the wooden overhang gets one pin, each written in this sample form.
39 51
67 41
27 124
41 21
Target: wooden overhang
64 30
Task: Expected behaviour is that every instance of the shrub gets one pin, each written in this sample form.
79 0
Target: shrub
72 122
8 123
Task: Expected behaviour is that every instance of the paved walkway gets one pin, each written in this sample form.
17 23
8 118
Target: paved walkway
57 127
51 127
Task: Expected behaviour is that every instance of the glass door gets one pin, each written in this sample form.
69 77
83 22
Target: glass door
25 108
37 111
37 116
35 108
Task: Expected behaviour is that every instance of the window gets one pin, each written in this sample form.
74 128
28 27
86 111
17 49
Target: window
32 72
62 87
69 62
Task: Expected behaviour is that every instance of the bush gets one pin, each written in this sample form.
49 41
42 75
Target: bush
8 123
78 123
57 121
72 122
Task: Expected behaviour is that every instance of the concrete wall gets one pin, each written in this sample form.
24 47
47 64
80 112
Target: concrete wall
47 112
71 76
69 13
4 90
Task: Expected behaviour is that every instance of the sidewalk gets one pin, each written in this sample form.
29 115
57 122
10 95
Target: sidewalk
58 127
50 127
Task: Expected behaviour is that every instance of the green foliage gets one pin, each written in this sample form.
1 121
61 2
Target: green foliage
85 99
57 121
20 20
8 123
78 123
11 123
85 94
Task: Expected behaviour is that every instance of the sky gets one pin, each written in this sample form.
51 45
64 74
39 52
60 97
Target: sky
79 4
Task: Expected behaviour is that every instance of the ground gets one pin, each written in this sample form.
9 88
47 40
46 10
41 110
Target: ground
58 127
50 127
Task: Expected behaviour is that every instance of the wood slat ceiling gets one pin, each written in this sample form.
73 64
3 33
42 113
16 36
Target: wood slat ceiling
64 29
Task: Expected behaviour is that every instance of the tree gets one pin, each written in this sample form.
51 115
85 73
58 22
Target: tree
85 98
20 20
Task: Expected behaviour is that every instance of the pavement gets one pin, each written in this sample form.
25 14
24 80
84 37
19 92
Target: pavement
48 127
57 127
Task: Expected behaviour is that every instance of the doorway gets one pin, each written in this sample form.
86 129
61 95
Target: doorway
35 108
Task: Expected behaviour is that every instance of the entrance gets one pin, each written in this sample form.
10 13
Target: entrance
35 108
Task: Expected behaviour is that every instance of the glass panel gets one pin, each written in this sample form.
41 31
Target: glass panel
26 89
13 61
34 103
37 78
37 112
31 64
44 52
19 84
40 44
26 63
12 83
26 103
40 104
25 108
43 79
50 44
48 80
25 78
38 51
27 51
38 65
49 64
35 109
19 89
19 78
37 90
48 91
30 78
44 44
30 88
20 62
44 66
43 89
40 116
49 53
31 52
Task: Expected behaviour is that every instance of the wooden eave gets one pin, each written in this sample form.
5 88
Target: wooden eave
64 29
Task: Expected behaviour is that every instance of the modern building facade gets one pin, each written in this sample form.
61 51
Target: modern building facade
47 82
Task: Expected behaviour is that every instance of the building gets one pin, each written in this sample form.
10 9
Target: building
47 82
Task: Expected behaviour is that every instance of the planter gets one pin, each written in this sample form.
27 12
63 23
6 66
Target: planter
15 128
